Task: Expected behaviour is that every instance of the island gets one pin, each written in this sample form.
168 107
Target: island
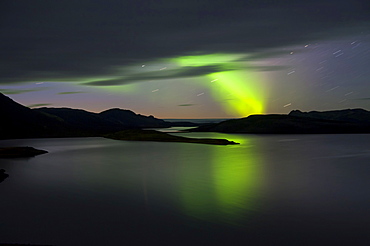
156 136
16 152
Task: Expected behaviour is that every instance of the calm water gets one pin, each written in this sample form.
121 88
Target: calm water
270 190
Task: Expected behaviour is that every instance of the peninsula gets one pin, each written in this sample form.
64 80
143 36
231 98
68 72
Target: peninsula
156 136
3 175
16 152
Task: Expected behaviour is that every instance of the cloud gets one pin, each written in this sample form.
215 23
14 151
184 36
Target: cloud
177 73
39 105
186 105
266 54
80 40
363 99
269 68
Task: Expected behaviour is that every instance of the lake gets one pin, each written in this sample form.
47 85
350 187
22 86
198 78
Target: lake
269 190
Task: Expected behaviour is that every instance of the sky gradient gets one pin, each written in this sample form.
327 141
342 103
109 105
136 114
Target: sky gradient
187 59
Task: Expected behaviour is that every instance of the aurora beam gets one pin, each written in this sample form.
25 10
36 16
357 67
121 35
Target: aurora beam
238 90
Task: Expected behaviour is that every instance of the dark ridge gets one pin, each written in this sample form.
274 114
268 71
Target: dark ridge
129 119
18 121
296 122
81 121
347 115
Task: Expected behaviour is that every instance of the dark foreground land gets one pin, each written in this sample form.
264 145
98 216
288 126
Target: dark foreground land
13 152
152 135
17 152
3 176
17 244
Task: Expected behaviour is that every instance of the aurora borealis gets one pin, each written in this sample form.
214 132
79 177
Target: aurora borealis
193 59
236 91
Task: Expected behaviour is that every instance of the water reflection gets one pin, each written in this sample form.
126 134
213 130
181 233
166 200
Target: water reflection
269 187
226 187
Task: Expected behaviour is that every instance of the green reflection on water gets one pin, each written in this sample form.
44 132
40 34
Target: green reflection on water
225 188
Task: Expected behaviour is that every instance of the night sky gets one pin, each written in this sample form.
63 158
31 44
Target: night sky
187 59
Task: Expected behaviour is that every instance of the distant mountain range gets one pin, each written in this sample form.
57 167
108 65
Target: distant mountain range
297 122
18 121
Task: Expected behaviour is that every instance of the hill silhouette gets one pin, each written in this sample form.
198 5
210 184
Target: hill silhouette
129 119
18 121
297 122
357 115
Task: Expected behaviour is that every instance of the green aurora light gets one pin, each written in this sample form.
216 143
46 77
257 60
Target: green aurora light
238 88
236 181
240 92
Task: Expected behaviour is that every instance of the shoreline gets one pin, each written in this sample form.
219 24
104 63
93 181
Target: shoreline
18 152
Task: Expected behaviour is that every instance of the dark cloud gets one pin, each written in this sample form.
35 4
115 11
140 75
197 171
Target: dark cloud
72 40
186 105
269 68
363 99
269 54
178 73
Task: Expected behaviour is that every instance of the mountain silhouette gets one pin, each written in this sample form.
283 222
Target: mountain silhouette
297 122
84 122
357 115
18 121
80 122
128 118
